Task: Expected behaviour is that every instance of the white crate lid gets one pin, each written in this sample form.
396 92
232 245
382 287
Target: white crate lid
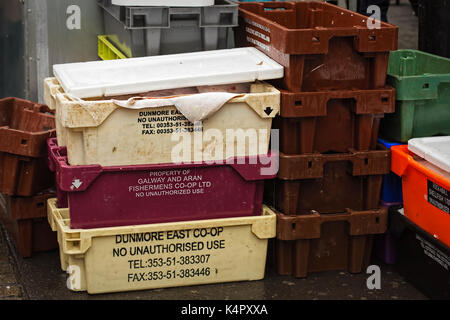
435 150
136 75
163 3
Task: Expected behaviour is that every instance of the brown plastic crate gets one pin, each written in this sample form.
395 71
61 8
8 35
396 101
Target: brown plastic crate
332 121
328 183
24 176
326 242
321 46
25 127
25 219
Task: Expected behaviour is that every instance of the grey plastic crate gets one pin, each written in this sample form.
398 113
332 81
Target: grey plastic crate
148 31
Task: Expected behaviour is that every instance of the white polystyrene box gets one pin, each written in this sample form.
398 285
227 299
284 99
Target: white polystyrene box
135 75
435 150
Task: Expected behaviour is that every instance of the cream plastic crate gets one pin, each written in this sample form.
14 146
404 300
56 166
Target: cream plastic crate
98 260
100 132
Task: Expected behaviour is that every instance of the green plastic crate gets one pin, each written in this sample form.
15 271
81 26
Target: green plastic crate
422 84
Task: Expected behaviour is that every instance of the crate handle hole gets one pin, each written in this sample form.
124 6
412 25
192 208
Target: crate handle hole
377 220
226 18
293 226
426 86
372 37
39 204
298 103
139 20
309 164
24 141
384 99
315 39
366 161
74 244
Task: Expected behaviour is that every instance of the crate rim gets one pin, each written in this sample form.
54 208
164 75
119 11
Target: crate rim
84 236
322 30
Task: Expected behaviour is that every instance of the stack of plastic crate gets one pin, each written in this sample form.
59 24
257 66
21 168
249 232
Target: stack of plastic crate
138 209
333 97
420 127
421 228
138 28
422 88
422 94
25 180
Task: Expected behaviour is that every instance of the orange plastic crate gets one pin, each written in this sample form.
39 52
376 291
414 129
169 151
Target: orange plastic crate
426 192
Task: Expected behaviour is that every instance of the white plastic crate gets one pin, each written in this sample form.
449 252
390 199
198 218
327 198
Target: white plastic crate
162 255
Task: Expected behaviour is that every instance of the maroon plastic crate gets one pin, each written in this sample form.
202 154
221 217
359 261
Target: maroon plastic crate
25 219
142 194
332 121
321 46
